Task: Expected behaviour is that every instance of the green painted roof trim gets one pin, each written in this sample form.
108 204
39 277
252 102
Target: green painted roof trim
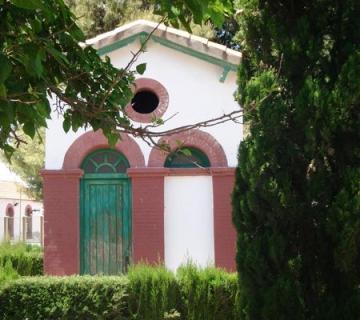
119 44
169 44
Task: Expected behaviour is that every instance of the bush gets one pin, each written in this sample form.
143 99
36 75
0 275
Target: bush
7 273
153 292
210 294
146 293
74 297
26 260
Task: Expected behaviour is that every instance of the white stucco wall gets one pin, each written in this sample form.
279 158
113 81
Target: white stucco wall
195 94
189 224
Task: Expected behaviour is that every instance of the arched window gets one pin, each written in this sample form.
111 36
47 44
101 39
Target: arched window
105 161
187 157
28 222
9 222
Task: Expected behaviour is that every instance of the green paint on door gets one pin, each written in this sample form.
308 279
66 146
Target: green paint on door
105 221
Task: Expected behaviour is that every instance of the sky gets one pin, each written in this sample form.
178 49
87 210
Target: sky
7 175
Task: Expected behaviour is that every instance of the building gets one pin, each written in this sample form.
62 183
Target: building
106 208
21 217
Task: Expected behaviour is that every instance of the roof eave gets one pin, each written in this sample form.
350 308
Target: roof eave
104 43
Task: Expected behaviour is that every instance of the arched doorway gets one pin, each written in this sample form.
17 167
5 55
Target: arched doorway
105 219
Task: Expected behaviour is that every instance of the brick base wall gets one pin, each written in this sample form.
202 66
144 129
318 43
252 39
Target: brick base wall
61 221
61 217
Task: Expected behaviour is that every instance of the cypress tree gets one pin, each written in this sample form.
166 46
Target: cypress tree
296 202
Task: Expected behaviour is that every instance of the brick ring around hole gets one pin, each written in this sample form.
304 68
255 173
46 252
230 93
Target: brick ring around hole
150 101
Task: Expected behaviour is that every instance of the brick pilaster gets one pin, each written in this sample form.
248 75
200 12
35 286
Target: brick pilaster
224 231
61 221
148 214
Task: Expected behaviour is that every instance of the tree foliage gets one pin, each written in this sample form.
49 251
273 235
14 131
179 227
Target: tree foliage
41 56
297 194
95 17
184 12
27 161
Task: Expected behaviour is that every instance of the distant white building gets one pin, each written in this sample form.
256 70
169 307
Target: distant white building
21 218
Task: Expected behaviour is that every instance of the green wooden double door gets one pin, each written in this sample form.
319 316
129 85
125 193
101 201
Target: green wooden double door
105 221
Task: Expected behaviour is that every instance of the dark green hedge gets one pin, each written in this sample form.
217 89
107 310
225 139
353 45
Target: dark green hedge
64 298
26 260
145 294
27 264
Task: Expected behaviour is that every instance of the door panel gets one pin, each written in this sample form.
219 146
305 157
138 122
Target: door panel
105 226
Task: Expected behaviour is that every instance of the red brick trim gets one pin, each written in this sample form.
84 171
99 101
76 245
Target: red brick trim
155 172
90 141
156 87
69 173
224 231
61 221
229 171
192 138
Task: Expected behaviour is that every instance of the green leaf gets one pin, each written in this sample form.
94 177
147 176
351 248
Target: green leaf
37 64
36 25
5 68
176 11
58 56
2 91
67 124
141 68
112 139
186 152
1 2
196 10
44 109
185 23
29 129
28 4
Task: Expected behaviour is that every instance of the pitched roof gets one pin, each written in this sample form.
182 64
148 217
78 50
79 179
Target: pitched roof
170 37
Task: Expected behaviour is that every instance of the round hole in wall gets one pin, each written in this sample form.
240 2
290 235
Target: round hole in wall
145 101
156 99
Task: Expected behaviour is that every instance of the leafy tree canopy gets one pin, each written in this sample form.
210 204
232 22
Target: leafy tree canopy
95 17
98 16
27 161
41 57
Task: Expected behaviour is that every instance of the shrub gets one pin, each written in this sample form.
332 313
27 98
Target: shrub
7 273
210 294
146 293
153 292
26 260
73 297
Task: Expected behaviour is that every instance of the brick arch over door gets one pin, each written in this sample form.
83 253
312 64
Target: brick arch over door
90 141
192 138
